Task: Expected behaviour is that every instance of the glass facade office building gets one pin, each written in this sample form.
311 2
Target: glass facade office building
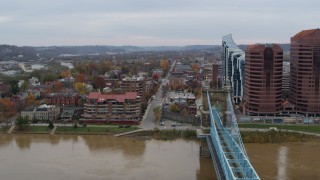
233 67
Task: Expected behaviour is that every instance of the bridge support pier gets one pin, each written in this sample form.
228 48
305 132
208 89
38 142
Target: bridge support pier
204 149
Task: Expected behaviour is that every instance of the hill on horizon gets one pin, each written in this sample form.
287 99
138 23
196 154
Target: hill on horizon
11 52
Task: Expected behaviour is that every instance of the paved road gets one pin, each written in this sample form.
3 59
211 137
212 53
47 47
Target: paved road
148 121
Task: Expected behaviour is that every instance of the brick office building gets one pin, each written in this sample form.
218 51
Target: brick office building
305 72
263 79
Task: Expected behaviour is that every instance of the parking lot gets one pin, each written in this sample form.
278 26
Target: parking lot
167 124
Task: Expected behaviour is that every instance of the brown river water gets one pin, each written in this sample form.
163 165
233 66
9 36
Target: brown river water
68 157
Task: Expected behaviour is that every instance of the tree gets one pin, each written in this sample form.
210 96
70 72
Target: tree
14 88
7 108
31 99
49 77
75 123
174 108
124 69
54 88
157 113
80 78
24 86
105 66
80 87
91 67
65 73
195 68
165 64
22 122
51 126
99 82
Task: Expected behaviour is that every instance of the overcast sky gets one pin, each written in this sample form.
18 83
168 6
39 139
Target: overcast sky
153 22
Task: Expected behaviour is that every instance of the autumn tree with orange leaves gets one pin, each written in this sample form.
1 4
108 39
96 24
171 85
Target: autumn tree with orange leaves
80 78
165 64
195 68
7 108
65 73
81 87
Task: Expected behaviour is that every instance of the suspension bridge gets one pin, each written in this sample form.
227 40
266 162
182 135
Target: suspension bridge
226 147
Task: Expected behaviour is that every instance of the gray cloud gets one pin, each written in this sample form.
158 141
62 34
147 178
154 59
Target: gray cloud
150 22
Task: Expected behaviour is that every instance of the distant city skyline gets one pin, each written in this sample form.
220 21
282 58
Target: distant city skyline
153 23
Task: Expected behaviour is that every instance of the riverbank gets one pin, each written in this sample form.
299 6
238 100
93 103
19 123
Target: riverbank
247 136
90 130
300 128
164 134
276 137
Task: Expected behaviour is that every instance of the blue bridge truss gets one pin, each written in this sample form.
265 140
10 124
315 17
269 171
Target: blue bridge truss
226 147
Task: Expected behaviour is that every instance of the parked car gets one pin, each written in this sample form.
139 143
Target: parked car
179 124
174 124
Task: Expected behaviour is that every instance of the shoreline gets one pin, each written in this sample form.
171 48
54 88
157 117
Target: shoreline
247 136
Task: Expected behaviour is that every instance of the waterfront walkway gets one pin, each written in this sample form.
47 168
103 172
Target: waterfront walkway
11 129
53 130
130 132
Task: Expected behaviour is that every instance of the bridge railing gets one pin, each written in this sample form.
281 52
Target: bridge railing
216 141
232 125
239 155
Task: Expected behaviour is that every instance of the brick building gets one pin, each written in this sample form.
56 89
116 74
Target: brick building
305 72
63 99
263 79
117 108
134 84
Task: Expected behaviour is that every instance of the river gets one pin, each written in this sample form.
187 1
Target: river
53 157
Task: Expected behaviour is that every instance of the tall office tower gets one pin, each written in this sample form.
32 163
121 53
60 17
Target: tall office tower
263 80
233 67
305 72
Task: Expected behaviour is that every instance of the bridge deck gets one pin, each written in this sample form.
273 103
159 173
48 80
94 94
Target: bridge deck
229 157
216 162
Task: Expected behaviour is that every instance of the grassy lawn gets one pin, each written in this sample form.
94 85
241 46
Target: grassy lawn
3 130
33 129
174 134
166 134
39 129
94 130
304 128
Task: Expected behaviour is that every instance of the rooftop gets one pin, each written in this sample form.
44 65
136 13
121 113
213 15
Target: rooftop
133 78
311 33
183 67
263 46
63 94
118 97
